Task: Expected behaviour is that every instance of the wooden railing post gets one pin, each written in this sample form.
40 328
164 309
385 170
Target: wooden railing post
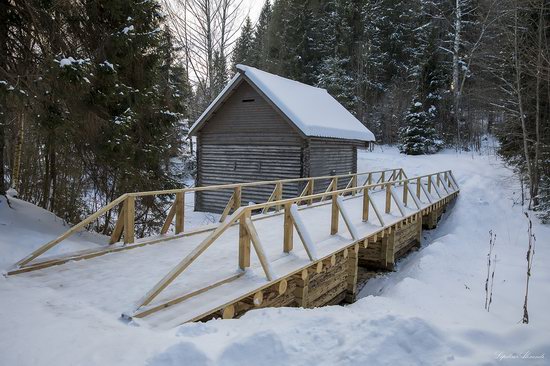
237 197
369 179
405 192
311 190
438 180
244 241
334 218
180 212
278 195
288 240
418 188
382 176
354 185
388 198
365 204
129 217
429 184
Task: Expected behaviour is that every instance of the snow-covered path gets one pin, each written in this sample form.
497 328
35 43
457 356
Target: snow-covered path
430 311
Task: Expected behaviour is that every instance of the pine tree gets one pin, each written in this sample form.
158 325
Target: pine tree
243 52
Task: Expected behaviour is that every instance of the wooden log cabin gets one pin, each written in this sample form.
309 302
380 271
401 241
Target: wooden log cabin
265 127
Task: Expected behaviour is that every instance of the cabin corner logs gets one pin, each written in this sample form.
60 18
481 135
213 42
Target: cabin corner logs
334 279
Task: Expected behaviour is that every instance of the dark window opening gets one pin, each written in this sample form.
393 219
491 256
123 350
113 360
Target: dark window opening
248 100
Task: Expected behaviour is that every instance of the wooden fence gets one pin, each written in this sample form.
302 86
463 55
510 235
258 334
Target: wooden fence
441 184
126 205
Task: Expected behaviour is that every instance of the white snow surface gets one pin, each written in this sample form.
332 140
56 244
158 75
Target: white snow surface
313 110
428 312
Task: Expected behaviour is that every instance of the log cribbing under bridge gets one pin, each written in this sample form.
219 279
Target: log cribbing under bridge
294 251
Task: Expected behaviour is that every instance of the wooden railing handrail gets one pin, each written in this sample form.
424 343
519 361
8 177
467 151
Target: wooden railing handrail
259 206
125 223
243 214
254 184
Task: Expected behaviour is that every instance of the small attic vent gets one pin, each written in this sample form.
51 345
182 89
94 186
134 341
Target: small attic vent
249 100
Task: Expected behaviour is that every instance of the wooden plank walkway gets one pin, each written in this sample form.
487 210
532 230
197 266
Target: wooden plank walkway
304 255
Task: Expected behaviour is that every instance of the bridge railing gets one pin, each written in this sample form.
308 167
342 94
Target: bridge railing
125 225
433 187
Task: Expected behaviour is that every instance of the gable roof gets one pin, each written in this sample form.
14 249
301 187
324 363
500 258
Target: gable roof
313 111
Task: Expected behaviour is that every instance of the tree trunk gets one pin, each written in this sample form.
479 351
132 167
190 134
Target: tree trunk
525 136
540 45
2 146
456 68
3 66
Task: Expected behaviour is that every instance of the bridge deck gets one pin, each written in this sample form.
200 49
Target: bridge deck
115 282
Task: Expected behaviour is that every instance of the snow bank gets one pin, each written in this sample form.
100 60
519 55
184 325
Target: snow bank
24 227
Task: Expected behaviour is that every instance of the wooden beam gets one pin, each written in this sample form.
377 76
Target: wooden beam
36 253
258 248
119 227
365 205
288 239
180 212
388 198
237 197
428 195
436 189
303 233
129 218
311 191
244 242
186 262
397 201
270 199
169 219
278 195
415 199
347 219
182 298
375 209
228 207
334 215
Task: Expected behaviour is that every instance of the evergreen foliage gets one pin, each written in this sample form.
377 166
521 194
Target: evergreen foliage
418 136
244 52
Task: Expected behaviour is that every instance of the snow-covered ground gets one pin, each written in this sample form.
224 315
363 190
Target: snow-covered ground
430 311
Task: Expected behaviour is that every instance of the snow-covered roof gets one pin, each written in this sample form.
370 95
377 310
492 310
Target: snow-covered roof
312 110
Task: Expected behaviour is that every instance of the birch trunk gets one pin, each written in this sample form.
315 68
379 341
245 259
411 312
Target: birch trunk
456 68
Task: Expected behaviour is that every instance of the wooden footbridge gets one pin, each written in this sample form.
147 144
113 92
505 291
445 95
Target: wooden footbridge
288 251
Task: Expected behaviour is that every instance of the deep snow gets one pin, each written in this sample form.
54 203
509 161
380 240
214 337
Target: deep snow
430 311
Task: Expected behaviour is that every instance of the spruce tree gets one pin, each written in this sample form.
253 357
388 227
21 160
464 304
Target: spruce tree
243 52
260 44
417 136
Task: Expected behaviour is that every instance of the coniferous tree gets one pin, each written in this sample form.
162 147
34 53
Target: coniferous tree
260 44
333 52
417 136
219 77
243 52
